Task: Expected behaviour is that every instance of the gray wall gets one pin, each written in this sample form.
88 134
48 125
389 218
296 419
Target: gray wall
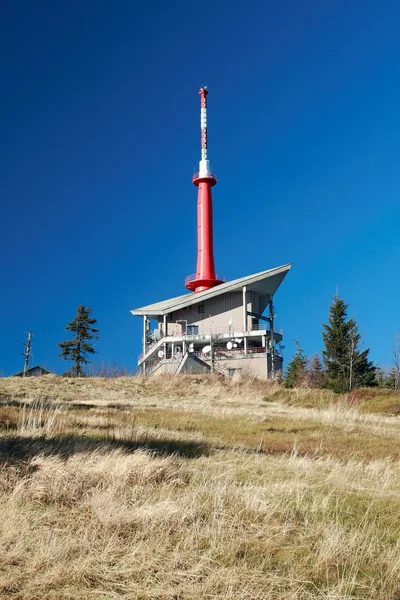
222 309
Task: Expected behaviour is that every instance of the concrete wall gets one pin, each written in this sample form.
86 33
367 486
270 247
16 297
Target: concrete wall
167 368
191 364
255 366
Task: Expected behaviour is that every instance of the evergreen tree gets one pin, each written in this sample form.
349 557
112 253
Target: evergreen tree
77 349
317 377
347 366
381 377
297 368
389 380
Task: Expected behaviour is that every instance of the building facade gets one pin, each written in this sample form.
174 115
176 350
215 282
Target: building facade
229 328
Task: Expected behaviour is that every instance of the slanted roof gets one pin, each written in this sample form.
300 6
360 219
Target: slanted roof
265 283
31 370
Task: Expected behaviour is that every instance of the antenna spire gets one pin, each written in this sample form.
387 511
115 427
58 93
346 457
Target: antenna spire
205 276
203 121
204 166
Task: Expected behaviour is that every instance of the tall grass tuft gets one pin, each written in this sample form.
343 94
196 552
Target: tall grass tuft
195 488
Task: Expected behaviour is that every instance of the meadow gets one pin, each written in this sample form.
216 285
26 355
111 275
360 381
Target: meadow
197 488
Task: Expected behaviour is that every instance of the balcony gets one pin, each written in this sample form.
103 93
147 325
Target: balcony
211 177
193 277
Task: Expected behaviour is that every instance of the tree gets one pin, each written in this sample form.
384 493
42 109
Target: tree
77 349
395 371
381 377
297 368
347 365
317 377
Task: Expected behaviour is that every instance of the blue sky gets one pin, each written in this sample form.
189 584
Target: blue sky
100 119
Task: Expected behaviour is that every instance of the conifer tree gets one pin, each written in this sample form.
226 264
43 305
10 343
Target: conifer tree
392 379
347 366
297 368
77 349
317 377
381 377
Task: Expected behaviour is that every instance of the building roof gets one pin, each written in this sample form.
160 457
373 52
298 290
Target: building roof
265 283
31 369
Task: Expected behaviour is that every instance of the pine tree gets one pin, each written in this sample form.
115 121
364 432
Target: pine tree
77 349
297 368
381 377
347 366
392 379
317 377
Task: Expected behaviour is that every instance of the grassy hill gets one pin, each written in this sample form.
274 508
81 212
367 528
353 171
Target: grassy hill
195 488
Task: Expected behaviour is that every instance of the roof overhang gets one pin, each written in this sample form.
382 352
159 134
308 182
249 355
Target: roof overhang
264 283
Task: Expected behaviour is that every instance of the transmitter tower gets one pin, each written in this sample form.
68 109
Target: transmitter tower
205 276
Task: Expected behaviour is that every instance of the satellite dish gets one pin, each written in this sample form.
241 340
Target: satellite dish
160 354
229 345
206 349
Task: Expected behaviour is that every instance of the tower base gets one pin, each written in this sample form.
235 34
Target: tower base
199 284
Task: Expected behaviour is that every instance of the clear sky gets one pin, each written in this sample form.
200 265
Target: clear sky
100 137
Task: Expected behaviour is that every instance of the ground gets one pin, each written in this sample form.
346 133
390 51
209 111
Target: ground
197 488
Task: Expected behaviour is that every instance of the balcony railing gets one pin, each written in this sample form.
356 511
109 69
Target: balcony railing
194 277
233 331
208 176
225 331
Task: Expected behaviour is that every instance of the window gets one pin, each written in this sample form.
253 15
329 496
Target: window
192 329
200 309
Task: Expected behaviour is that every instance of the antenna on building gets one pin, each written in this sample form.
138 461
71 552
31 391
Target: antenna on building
205 276
27 352
272 338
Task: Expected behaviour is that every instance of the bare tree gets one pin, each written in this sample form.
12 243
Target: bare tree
396 361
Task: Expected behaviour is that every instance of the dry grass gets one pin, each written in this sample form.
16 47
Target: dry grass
195 488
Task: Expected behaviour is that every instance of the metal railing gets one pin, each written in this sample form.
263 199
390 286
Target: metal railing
264 327
194 277
149 348
222 353
225 331
208 176
233 331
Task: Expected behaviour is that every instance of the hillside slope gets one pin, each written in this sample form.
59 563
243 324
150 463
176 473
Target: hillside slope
196 488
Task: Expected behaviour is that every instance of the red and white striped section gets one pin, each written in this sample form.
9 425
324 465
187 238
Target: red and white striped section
204 166
203 122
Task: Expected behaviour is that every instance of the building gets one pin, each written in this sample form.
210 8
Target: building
228 317
228 327
35 371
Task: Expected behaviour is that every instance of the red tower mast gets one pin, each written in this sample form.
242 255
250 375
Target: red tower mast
205 276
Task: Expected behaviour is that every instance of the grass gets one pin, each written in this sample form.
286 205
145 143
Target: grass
196 488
